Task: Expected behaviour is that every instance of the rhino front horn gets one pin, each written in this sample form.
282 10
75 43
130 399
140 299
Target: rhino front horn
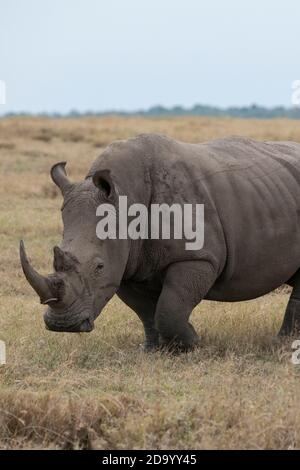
39 283
60 178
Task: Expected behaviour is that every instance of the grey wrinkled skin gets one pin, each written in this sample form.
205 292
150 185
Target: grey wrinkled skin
251 194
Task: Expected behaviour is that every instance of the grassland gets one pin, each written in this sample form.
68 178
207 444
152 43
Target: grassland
98 390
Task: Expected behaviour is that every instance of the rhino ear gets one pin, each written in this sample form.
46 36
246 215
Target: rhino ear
102 180
59 177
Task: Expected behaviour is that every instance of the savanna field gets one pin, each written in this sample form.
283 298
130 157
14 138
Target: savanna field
239 390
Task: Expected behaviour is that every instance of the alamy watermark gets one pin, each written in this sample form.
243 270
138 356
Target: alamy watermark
295 99
296 354
2 92
160 221
2 353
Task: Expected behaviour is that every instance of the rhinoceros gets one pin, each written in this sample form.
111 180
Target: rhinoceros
251 196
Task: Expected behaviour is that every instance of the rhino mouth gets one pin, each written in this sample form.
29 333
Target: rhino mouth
83 325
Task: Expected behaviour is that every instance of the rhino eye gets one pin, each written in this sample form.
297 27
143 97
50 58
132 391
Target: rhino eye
99 267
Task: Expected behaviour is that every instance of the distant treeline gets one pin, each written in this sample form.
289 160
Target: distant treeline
253 111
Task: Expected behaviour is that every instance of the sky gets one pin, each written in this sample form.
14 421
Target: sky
102 55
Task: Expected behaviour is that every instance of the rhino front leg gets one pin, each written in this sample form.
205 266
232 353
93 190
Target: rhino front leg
185 285
143 303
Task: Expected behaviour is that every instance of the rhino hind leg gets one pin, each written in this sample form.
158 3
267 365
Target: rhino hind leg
291 320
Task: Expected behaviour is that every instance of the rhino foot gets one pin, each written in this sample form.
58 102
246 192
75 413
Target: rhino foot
177 346
148 347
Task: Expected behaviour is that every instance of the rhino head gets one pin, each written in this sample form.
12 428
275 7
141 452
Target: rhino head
87 270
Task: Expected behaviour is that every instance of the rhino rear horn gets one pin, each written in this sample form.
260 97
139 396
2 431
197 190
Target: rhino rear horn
63 261
60 178
39 283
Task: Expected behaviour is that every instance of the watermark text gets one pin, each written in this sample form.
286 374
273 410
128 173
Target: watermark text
159 222
2 92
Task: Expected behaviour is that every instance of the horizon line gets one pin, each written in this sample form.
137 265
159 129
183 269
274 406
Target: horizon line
252 110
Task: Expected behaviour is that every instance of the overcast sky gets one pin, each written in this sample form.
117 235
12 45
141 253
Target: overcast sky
57 55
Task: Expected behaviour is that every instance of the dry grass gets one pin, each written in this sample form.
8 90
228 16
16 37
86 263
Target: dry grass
239 390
